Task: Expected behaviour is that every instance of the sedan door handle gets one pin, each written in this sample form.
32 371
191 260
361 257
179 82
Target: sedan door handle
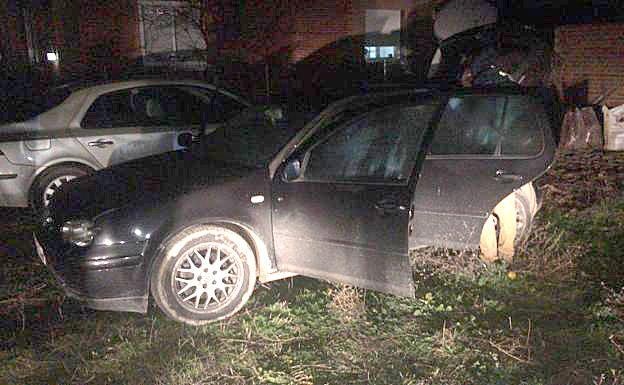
101 143
387 206
503 177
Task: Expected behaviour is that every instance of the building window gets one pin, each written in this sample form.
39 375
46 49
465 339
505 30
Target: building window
170 33
387 52
383 34
371 52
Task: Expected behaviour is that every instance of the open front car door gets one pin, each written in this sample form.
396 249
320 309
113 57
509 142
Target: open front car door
341 201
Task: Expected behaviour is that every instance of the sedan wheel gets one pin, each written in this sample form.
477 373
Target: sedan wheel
51 180
203 274
53 187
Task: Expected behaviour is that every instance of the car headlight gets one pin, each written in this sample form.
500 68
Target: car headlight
79 232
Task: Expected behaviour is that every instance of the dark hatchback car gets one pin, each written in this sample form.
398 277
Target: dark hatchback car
344 199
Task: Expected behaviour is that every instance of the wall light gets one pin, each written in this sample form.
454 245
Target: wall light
52 56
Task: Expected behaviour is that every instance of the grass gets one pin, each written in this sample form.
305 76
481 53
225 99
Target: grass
556 316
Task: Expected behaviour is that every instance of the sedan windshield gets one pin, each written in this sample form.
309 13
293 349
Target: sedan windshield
251 138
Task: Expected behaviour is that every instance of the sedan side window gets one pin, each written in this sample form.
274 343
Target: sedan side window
469 126
381 146
151 107
110 110
208 106
168 106
227 107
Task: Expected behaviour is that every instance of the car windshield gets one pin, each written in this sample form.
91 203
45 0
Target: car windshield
251 138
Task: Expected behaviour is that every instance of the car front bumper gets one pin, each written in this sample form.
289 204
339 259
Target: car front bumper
104 277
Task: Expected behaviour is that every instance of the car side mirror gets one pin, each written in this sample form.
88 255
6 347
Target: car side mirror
185 139
292 170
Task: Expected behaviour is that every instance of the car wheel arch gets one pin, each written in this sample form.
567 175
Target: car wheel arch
172 252
524 193
49 166
64 162
258 246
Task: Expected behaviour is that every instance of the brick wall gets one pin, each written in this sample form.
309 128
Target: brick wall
320 23
306 26
73 28
109 28
12 41
591 61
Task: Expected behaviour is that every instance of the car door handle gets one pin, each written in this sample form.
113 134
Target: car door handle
101 143
503 177
388 206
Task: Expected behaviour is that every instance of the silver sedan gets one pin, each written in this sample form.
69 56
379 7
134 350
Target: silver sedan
101 125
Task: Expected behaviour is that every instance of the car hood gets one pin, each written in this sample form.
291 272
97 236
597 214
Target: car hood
153 181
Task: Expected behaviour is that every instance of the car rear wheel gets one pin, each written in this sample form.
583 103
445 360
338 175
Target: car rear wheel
524 220
203 274
51 180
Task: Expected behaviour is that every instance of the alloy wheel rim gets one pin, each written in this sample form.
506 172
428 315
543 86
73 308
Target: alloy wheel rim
54 186
207 277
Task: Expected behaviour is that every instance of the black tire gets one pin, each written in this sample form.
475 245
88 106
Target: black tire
44 185
178 274
524 220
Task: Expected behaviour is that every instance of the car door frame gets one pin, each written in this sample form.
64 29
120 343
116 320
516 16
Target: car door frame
444 228
300 147
76 130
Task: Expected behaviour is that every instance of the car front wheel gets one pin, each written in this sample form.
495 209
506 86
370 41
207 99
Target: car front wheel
203 274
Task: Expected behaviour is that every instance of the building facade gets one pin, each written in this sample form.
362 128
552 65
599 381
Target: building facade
62 39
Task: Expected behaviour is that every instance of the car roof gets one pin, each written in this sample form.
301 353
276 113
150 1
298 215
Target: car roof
112 85
62 115
95 84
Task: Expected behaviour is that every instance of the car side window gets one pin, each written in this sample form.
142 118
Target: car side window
489 126
168 106
110 110
208 106
150 107
381 146
469 125
522 133
226 107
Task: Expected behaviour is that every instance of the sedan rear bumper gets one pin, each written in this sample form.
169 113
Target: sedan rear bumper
103 277
14 183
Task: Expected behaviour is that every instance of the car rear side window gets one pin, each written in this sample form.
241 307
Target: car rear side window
488 126
379 147
469 126
521 132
